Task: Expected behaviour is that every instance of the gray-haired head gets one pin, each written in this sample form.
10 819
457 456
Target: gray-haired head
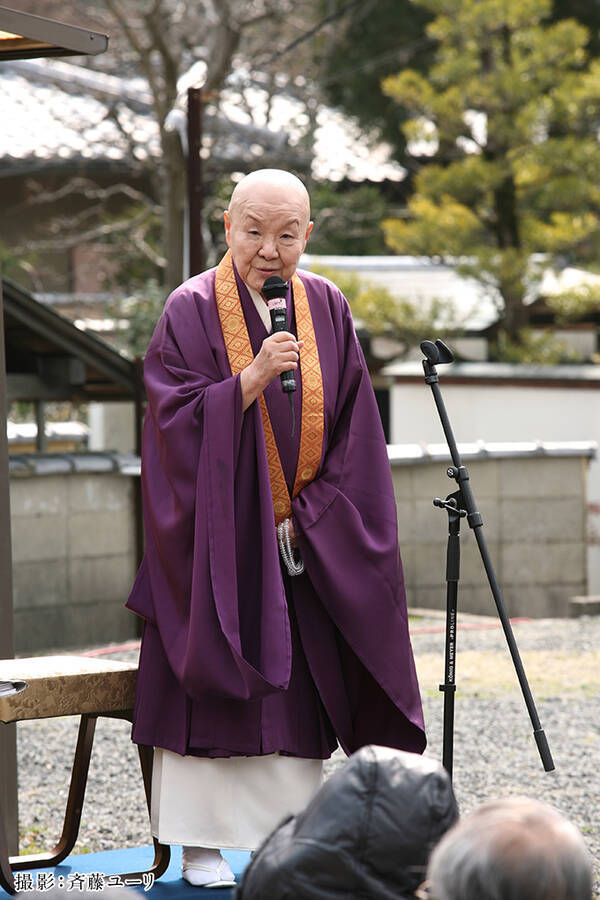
511 849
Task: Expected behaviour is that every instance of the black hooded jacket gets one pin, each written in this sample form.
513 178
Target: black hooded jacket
367 833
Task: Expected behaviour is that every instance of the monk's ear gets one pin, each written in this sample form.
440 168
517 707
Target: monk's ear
308 231
227 220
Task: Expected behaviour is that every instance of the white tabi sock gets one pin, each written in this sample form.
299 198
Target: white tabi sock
204 867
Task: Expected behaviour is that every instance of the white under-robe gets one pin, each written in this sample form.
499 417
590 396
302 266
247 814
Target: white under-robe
227 803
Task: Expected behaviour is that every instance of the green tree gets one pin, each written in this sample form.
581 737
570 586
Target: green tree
510 114
370 40
347 221
586 13
576 303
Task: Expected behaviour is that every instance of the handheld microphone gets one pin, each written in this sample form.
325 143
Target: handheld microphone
275 291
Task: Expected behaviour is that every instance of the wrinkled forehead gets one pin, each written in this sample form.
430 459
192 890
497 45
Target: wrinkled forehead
265 202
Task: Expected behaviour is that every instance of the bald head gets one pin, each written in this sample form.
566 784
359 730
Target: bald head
267 225
274 184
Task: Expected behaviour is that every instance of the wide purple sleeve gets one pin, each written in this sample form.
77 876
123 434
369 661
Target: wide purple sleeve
210 581
348 535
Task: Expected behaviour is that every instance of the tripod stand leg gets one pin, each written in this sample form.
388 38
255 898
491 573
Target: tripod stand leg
538 732
448 688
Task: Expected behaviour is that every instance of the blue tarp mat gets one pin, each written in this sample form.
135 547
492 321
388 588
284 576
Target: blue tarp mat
86 872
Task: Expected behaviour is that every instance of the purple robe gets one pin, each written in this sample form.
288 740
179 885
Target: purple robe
237 657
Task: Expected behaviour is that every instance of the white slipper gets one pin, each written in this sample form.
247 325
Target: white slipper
212 872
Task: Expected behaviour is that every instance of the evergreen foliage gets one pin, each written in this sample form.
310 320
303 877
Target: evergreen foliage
372 40
509 114
347 220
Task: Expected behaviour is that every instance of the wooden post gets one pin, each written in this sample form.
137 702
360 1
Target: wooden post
8 733
40 418
195 185
139 425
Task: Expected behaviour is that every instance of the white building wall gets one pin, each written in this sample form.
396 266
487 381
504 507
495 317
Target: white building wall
111 427
492 412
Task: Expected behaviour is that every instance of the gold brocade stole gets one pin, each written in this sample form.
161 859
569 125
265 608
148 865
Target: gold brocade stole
240 355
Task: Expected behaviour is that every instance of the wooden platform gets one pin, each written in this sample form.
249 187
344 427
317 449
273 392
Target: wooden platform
48 686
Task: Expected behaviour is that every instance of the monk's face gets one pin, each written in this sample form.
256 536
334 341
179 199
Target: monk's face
267 228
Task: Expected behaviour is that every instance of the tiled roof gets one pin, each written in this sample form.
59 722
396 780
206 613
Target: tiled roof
398 454
60 112
498 372
419 280
408 454
43 120
65 463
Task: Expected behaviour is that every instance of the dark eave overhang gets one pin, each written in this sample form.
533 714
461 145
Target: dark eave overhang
66 338
25 36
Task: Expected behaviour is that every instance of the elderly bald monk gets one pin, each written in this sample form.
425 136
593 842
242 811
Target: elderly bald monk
271 587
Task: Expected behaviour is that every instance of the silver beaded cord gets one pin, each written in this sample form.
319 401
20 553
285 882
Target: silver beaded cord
285 548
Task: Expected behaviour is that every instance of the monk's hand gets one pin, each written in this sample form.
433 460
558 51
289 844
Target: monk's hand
279 353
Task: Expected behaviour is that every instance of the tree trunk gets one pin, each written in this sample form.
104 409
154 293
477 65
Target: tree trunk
507 218
515 318
516 314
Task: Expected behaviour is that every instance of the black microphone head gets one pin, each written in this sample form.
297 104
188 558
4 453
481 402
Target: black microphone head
446 354
274 287
429 349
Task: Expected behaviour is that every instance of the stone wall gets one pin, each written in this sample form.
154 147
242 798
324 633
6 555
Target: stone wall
500 402
73 537
534 514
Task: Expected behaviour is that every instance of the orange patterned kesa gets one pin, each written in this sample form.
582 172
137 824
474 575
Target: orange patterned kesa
239 353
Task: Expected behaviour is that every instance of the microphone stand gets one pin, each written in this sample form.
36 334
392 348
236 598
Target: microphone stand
461 504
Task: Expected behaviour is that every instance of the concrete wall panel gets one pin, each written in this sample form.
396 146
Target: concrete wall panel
102 578
46 497
40 583
90 493
74 559
73 625
100 534
536 539
542 519
40 537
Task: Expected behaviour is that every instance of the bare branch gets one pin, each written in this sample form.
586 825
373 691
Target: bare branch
128 31
161 38
259 17
93 234
88 189
143 55
133 146
156 28
139 241
226 40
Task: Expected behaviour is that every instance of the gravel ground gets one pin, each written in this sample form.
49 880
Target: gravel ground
494 750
